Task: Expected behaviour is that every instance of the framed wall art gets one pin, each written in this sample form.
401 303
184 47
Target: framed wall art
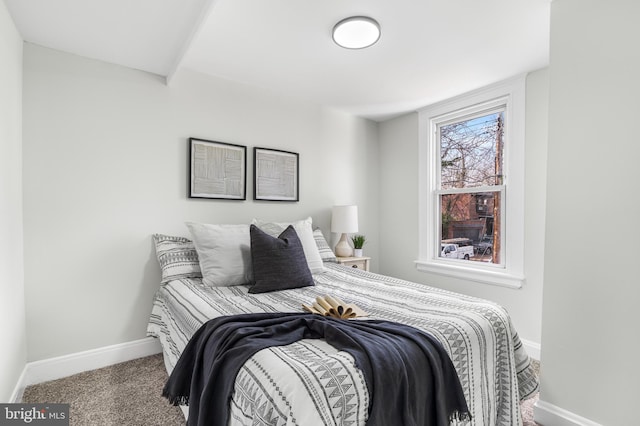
217 170
275 174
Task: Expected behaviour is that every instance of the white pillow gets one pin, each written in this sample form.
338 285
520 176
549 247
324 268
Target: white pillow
224 252
305 234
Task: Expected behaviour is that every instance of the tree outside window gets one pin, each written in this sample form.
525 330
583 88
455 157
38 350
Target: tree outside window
470 169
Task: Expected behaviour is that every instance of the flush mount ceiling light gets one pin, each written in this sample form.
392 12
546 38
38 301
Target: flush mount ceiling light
356 32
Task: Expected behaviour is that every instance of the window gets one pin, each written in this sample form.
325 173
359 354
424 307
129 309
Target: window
469 188
472 186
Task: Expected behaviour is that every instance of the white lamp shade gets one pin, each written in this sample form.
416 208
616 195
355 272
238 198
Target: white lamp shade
344 219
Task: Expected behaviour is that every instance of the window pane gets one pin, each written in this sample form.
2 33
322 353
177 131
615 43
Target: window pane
471 152
470 226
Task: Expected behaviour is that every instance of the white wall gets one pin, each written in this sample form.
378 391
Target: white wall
399 212
590 329
13 356
105 166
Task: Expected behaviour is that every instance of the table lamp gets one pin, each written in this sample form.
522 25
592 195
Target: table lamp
344 220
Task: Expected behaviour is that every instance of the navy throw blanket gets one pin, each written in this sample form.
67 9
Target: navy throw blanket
415 382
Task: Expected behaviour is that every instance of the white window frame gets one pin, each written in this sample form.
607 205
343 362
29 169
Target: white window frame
511 94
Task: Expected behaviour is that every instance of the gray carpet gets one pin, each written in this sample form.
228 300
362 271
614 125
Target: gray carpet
123 394
129 394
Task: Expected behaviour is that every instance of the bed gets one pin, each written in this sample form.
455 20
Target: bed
309 382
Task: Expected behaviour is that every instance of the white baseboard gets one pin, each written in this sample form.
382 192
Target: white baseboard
532 348
547 414
16 396
68 365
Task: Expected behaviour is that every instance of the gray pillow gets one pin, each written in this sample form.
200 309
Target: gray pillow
224 253
278 263
326 254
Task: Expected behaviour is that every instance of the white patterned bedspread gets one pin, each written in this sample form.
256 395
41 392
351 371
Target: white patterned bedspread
310 383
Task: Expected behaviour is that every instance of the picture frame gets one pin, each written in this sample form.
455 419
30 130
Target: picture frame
276 175
217 170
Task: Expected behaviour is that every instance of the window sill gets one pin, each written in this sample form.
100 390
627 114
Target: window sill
499 278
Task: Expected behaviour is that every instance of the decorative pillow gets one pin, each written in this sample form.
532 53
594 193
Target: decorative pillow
279 262
177 257
224 252
305 234
326 254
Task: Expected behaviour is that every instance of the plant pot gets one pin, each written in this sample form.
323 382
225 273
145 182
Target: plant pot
357 252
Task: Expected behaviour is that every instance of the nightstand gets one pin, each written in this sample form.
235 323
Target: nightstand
355 262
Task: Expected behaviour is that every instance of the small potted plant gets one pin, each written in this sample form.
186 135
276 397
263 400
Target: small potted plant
358 241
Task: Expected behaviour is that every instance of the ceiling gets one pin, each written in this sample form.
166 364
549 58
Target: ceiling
429 50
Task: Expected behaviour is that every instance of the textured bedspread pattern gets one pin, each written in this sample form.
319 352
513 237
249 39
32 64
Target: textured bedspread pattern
418 385
493 368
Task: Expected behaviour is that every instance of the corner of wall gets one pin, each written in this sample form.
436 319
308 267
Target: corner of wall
12 305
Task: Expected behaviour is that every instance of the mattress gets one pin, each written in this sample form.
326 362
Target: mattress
311 383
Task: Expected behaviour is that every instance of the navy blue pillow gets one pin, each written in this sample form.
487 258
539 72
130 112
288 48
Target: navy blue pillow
278 263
